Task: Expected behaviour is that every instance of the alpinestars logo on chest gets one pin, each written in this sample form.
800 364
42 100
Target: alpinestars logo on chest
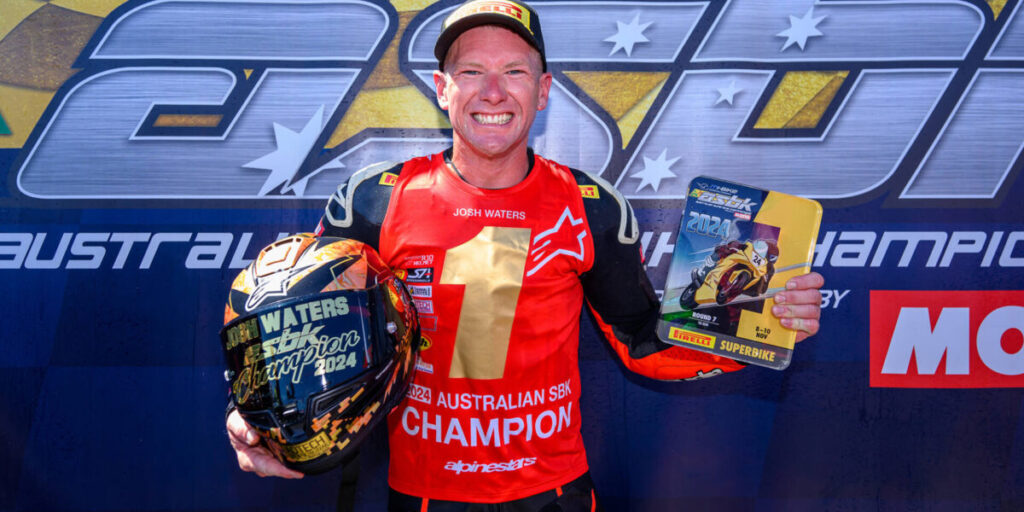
546 245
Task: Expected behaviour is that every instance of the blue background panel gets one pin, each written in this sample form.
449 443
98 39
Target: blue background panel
111 388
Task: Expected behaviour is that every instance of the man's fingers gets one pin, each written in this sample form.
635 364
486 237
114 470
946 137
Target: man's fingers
805 311
802 296
805 327
802 290
239 430
802 318
252 457
258 460
803 335
807 281
799 306
236 444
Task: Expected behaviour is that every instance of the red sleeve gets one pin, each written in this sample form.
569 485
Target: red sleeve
669 362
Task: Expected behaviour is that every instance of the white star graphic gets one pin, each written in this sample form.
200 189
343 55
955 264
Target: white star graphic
274 285
654 171
628 35
540 249
292 149
728 93
800 29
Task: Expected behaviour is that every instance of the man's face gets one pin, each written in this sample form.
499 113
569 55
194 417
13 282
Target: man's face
492 87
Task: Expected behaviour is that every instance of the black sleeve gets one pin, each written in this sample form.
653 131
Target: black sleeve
357 208
617 287
621 296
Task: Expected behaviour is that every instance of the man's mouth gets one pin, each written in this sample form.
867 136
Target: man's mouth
492 118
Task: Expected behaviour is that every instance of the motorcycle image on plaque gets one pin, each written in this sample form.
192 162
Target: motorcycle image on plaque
737 246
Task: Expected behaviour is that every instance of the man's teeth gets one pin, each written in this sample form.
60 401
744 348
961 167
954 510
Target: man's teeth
492 118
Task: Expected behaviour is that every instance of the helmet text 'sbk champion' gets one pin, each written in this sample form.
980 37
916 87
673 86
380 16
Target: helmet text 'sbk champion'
320 340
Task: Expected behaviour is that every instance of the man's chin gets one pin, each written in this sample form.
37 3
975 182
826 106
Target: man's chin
490 148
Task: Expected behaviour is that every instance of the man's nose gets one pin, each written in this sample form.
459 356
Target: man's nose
493 88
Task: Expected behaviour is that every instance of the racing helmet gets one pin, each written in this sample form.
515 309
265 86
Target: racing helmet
320 340
767 249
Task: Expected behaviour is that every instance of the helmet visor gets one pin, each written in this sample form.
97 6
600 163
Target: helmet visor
287 351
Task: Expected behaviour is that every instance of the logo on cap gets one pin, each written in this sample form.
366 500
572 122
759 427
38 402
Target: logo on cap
510 9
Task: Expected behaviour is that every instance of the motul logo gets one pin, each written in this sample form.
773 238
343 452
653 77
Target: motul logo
947 339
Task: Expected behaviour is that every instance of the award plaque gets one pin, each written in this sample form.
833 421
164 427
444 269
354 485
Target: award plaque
737 246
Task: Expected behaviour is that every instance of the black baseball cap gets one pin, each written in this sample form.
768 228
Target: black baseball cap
515 16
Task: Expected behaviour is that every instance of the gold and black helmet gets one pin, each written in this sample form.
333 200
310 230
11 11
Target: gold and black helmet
320 340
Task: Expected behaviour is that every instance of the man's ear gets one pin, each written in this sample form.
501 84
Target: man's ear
441 88
545 89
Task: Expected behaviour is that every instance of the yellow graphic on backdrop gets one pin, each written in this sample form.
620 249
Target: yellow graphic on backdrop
388 99
626 96
34 64
997 7
13 11
39 42
194 120
100 8
38 45
801 99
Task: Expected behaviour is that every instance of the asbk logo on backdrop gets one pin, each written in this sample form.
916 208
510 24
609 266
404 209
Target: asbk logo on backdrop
831 99
947 339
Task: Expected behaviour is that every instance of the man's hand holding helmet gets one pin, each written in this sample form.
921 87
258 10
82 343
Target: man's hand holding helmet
251 456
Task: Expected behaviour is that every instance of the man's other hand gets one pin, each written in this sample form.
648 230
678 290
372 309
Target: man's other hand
799 306
251 456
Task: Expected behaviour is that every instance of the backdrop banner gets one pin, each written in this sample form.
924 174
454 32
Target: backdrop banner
152 147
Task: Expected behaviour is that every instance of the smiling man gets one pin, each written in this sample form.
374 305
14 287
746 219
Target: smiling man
492 84
502 248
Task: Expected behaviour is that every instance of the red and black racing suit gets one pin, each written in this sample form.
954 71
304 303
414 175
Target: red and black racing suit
499 278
